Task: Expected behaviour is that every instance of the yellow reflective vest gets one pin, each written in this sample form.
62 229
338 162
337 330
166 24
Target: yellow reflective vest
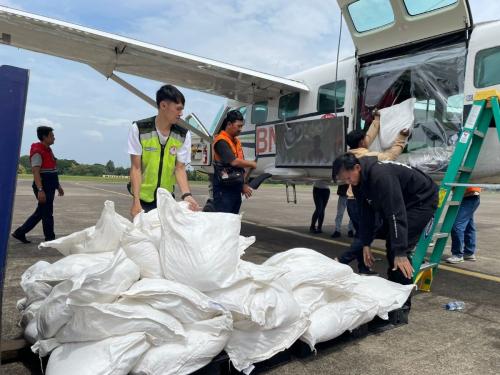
158 161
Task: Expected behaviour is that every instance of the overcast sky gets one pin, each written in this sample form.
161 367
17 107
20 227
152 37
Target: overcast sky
91 115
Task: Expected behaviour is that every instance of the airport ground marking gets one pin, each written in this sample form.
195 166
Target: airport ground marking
96 188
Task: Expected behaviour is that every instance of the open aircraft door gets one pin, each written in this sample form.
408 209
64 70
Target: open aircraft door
412 49
201 142
378 25
201 151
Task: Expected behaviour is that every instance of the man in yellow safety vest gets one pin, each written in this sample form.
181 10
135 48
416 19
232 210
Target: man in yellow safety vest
159 151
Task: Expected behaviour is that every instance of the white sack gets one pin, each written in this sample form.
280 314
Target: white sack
105 236
65 268
262 298
248 347
97 321
311 297
267 318
28 313
244 243
393 120
306 266
149 224
186 304
202 342
199 249
143 252
113 356
207 326
53 312
95 283
334 318
34 289
31 332
104 283
389 295
73 243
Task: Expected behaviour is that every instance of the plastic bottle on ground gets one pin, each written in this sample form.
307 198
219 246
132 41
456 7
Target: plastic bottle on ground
455 305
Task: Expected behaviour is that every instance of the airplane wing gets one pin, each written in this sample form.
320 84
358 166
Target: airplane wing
109 53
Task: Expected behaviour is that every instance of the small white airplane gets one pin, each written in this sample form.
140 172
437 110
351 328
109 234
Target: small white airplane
295 126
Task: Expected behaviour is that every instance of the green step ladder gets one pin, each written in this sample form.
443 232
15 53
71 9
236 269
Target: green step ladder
453 185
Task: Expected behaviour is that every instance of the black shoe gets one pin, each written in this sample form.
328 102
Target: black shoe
335 234
50 238
316 231
312 229
350 234
20 237
368 272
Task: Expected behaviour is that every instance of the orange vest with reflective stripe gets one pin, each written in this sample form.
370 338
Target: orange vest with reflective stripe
234 143
471 191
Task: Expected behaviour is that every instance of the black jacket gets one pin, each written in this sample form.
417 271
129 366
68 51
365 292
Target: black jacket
391 188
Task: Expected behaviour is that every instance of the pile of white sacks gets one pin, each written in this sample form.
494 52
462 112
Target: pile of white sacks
168 292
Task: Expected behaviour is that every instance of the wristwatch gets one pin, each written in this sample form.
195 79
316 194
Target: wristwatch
40 189
185 195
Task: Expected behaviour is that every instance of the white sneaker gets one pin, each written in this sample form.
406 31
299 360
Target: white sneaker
455 259
471 257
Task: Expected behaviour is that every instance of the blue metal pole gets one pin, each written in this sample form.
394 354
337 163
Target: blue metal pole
13 92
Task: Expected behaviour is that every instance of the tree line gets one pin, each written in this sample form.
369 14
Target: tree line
73 168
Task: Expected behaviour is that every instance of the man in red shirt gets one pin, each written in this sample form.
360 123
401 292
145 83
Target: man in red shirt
45 184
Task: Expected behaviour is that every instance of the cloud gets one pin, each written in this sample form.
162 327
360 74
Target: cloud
110 122
41 121
12 4
278 37
484 10
94 135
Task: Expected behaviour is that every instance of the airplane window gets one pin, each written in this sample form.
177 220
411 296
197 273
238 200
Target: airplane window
367 15
243 111
217 119
259 113
416 7
454 108
486 72
331 97
424 110
289 105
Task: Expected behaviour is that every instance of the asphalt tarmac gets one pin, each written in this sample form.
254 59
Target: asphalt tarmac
435 341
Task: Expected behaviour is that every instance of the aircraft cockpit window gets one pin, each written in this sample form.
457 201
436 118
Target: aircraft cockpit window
417 7
368 15
289 106
331 97
259 112
486 71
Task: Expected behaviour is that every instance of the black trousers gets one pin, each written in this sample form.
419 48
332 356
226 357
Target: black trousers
321 197
417 217
44 211
356 249
148 206
227 199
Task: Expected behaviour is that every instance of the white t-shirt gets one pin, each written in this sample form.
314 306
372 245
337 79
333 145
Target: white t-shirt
135 148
